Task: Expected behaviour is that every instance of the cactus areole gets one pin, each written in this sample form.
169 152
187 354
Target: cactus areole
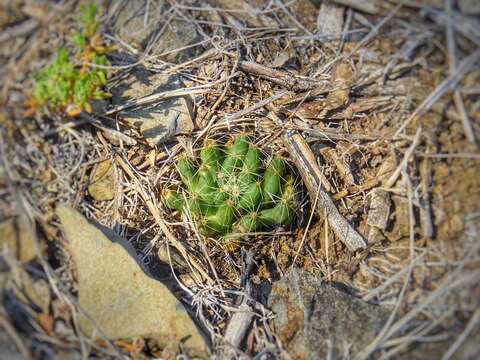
231 192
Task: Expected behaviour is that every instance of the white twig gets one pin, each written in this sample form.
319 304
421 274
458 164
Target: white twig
393 178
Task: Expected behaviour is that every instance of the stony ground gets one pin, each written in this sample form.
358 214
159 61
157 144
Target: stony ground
374 105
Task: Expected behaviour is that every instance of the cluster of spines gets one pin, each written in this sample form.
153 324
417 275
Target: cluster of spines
230 192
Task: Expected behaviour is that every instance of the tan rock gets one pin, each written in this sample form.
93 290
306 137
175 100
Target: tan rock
379 211
119 296
330 19
15 235
103 183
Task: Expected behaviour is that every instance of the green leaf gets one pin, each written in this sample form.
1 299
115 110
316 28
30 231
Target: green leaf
80 90
102 78
79 40
40 93
62 56
88 14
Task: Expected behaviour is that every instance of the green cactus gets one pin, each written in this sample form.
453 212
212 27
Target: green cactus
230 192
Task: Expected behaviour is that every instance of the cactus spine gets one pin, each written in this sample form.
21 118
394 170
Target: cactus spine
233 193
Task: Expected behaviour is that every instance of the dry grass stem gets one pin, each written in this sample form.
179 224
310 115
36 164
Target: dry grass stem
357 97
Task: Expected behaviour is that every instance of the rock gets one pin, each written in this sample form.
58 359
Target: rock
401 219
379 209
118 295
15 235
177 34
99 106
469 7
311 314
330 19
103 183
133 22
157 123
134 25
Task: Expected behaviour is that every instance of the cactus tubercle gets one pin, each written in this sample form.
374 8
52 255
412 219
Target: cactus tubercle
233 193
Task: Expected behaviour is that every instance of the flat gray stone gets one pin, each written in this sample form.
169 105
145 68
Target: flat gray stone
133 21
177 34
121 299
311 314
143 24
158 123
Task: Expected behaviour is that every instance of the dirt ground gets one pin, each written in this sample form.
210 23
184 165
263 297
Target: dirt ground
388 108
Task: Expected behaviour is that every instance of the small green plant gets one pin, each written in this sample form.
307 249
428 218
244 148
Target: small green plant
230 192
70 84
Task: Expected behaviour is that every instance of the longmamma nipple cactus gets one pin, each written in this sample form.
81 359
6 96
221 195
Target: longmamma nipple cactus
230 192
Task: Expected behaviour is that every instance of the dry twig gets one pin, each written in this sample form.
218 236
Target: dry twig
311 175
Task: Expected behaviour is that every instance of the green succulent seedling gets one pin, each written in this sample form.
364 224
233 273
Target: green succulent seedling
70 84
229 191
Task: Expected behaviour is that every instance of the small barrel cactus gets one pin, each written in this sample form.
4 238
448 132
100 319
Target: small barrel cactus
230 192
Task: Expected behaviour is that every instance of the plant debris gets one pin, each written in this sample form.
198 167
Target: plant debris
373 104
63 86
